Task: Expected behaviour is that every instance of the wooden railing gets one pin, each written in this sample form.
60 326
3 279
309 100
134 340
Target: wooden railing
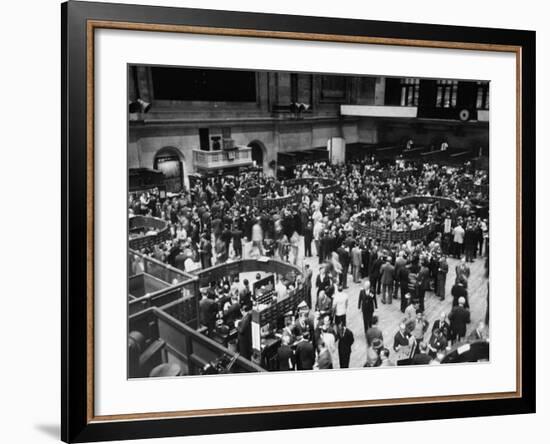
146 223
325 186
212 160
386 235
270 265
183 345
181 294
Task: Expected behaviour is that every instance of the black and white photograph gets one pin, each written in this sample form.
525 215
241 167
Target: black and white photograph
295 221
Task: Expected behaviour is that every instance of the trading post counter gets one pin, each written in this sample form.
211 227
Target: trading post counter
269 311
159 345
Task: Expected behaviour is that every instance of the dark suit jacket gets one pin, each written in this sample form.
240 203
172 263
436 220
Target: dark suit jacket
283 355
423 279
345 342
366 303
244 331
343 256
459 318
305 355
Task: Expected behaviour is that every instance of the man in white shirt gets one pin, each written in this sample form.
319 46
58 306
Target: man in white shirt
458 240
340 305
281 290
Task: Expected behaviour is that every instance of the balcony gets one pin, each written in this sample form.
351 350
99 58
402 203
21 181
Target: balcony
221 159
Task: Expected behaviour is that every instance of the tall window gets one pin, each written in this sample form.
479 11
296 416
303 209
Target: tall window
446 93
482 101
410 91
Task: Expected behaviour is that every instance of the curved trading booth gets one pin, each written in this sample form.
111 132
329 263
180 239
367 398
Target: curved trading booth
165 335
443 202
252 196
387 235
146 231
268 313
375 231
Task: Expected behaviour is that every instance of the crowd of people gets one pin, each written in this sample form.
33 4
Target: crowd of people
209 224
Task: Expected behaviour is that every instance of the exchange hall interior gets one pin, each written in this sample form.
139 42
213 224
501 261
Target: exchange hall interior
283 221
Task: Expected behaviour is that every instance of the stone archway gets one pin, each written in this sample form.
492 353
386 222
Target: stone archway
171 162
259 153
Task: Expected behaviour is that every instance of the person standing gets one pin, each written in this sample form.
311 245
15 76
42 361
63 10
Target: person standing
479 334
340 306
345 341
356 259
308 238
458 240
374 272
404 284
402 342
257 236
374 332
470 242
387 277
459 319
400 263
324 359
285 355
344 259
437 343
442 270
305 353
308 277
244 333
462 271
423 284
459 291
205 250
367 304
236 235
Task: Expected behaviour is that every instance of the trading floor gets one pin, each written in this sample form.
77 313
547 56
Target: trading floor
390 314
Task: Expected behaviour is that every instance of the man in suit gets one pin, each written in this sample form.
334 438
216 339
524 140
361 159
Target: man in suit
245 295
367 304
205 251
374 332
403 278
305 353
236 235
442 325
422 284
308 238
344 258
308 277
208 309
459 291
374 272
244 333
285 355
356 259
400 263
459 319
179 260
462 272
323 281
387 271
479 334
437 343
345 341
441 279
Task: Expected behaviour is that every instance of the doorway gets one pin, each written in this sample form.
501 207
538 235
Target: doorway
169 161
